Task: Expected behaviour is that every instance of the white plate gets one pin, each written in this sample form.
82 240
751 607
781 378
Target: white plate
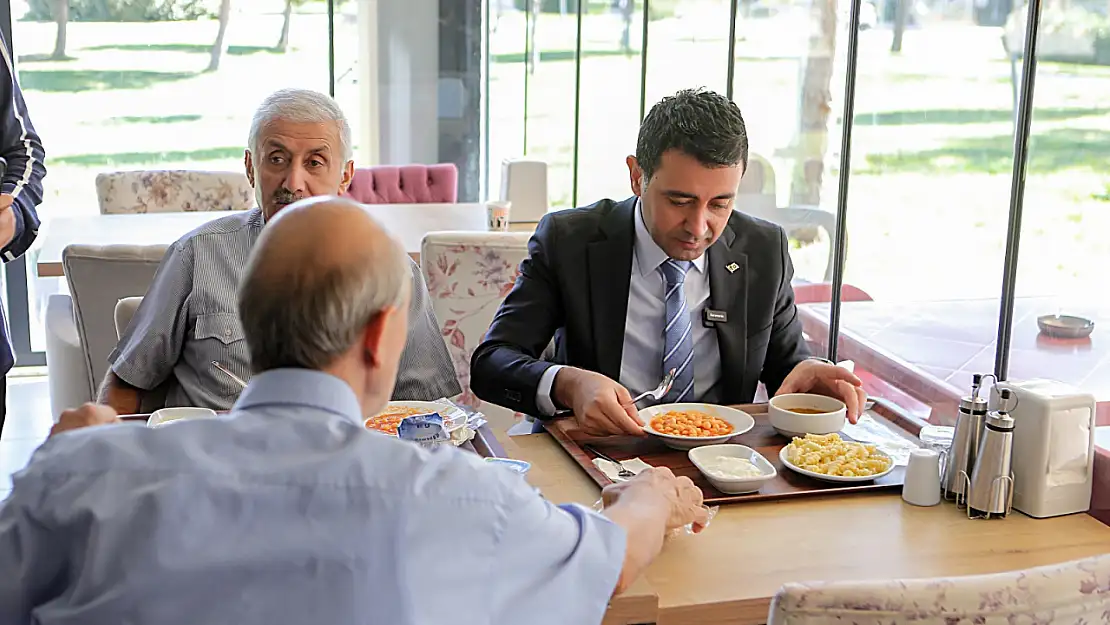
740 420
173 415
835 478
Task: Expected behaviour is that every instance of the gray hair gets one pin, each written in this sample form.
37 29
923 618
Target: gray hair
304 313
301 106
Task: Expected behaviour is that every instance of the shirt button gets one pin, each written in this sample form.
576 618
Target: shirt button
227 332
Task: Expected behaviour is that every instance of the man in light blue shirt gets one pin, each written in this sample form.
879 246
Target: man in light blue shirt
289 510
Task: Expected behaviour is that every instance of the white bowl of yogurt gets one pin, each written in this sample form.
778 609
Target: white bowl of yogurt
733 469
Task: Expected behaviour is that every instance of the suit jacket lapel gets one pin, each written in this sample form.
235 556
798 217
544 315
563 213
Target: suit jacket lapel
609 264
728 285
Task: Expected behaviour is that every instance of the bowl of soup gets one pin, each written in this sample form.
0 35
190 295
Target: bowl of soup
798 414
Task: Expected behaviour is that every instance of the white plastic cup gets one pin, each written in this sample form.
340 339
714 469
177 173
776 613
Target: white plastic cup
922 487
497 215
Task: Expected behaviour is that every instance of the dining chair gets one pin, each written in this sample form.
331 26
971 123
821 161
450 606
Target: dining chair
468 276
172 191
1072 592
757 196
524 184
79 344
405 184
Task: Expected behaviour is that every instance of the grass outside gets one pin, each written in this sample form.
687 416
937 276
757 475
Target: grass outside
931 164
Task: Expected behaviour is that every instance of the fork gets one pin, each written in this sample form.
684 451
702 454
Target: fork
622 473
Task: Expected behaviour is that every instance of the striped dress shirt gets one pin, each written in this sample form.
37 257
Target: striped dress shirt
190 317
21 148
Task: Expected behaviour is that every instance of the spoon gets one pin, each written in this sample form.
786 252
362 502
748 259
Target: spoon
229 374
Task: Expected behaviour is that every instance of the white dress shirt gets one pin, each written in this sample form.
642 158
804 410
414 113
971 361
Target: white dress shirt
642 353
289 510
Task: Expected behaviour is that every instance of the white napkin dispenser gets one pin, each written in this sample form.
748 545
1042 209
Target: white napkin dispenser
1053 448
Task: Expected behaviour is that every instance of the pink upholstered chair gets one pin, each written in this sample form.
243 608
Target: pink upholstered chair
405 184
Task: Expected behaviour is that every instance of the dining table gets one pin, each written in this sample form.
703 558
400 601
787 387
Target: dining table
407 222
730 572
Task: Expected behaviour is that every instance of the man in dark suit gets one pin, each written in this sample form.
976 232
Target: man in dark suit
672 278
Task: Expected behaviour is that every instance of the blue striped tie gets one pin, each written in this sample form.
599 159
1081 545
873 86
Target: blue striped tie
679 350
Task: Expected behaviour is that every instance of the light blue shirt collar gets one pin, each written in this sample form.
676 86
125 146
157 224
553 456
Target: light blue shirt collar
301 387
648 253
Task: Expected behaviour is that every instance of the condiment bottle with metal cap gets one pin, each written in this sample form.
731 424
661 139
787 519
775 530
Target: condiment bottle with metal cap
960 457
991 493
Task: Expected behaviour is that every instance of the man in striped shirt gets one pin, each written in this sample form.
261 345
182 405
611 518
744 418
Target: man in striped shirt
20 191
299 146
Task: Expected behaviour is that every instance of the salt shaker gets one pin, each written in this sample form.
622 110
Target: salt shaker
960 458
991 490
922 484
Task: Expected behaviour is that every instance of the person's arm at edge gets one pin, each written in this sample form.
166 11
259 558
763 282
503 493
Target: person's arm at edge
121 396
506 368
22 149
644 525
787 346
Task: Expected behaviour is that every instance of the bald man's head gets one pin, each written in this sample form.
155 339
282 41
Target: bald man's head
321 285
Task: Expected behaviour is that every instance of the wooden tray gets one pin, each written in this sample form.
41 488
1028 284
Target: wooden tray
762 438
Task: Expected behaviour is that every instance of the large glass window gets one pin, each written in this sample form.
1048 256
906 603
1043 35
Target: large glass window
158 85
1065 252
928 204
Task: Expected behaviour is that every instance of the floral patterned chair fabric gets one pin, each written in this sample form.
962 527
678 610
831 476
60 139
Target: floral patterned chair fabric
172 191
406 184
1073 592
468 276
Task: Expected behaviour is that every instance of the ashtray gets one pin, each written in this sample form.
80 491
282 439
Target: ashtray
1065 326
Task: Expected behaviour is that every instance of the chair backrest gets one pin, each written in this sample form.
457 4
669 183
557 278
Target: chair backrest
406 184
125 310
99 276
1072 592
524 183
173 191
468 276
759 177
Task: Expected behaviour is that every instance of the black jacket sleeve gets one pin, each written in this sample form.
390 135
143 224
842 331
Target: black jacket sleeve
21 148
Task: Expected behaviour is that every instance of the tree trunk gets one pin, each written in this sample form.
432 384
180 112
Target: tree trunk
283 42
534 56
61 17
900 14
220 45
813 121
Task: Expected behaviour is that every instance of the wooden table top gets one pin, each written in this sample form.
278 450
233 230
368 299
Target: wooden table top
408 222
729 573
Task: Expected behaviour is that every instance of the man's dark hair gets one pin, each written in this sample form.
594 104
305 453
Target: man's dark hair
699 122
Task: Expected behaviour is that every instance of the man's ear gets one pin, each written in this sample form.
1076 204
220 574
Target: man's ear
248 165
373 336
635 175
348 176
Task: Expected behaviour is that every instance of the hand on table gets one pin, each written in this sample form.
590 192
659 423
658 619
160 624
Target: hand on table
821 378
87 415
601 406
658 486
7 219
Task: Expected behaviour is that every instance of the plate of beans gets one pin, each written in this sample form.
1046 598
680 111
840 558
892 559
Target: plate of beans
685 426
